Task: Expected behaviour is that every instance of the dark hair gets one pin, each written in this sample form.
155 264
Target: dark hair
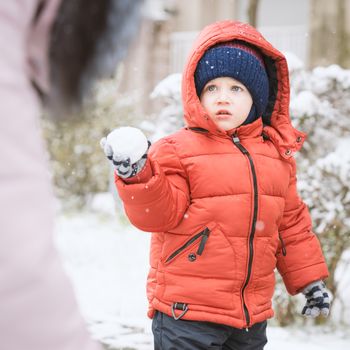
88 39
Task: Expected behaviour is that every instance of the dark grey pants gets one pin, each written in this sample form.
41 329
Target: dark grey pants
170 334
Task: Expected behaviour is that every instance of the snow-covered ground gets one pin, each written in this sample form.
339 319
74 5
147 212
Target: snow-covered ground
107 260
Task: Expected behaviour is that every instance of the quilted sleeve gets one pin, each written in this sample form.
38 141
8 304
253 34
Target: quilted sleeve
300 260
159 204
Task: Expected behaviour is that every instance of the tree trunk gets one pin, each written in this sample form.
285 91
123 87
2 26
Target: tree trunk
343 36
253 12
330 33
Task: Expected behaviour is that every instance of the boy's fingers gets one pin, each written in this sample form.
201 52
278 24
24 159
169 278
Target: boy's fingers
315 311
325 312
312 312
307 312
317 306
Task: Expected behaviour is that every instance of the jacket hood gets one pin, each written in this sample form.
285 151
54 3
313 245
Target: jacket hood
276 119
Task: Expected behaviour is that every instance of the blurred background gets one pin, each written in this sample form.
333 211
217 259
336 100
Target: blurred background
93 234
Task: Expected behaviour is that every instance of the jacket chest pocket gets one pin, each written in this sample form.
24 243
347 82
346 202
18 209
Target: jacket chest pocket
193 247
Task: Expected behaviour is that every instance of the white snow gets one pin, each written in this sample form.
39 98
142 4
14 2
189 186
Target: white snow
128 142
305 103
170 118
305 338
294 62
332 73
107 260
339 159
168 87
103 203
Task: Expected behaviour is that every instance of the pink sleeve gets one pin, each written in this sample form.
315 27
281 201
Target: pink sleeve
38 309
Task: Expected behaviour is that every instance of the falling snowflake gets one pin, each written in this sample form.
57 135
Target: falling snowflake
260 225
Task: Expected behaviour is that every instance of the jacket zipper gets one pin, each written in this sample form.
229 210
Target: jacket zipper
237 143
204 234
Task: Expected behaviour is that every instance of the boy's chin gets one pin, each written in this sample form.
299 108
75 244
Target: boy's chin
228 125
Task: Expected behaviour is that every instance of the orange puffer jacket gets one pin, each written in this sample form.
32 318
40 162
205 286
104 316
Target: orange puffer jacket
224 209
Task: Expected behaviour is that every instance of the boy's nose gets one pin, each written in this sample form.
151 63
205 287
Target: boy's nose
223 97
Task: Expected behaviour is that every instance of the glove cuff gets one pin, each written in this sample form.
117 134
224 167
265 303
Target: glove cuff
134 169
142 176
138 166
309 287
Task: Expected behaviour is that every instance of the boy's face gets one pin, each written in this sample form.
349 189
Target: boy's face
227 101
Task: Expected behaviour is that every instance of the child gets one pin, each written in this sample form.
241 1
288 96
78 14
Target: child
220 198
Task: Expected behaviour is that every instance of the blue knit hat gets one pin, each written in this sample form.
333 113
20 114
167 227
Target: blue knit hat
241 62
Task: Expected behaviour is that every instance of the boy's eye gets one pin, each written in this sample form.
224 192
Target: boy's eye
211 87
236 88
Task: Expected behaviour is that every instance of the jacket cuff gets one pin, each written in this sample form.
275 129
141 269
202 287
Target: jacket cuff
296 281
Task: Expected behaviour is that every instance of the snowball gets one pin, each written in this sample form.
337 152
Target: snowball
128 142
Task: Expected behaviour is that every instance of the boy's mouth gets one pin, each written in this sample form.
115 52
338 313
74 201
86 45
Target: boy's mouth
223 114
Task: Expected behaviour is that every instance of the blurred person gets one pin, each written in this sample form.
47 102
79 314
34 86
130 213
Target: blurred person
220 196
51 52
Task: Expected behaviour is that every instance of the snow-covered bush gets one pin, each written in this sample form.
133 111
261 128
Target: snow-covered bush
170 117
320 106
79 165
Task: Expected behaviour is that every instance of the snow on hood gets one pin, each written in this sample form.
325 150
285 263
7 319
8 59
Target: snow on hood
277 123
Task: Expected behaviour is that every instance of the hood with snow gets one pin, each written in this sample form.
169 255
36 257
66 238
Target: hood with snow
276 119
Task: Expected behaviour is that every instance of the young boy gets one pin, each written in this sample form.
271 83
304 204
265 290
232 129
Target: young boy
220 198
